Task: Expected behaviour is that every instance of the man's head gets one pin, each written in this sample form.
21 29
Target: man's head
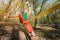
22 10
27 4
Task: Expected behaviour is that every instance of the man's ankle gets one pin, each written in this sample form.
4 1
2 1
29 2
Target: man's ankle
32 34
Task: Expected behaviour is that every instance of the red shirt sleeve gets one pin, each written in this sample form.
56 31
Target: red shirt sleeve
21 18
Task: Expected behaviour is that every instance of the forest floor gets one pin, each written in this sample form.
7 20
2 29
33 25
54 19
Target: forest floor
38 32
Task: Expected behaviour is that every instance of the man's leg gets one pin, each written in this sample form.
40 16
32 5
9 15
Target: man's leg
29 28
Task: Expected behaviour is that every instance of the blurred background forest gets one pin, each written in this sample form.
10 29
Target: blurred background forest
49 24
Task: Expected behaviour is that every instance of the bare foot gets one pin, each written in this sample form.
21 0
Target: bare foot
32 34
